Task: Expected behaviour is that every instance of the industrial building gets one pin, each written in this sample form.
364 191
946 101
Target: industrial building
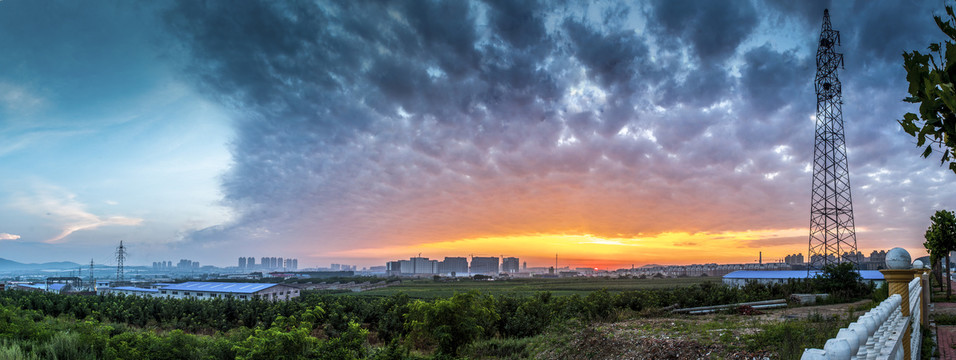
53 288
130 291
208 290
242 291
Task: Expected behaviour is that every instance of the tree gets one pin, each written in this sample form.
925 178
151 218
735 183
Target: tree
941 240
842 281
931 86
453 322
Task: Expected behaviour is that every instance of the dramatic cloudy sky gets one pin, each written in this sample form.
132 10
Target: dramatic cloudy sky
357 132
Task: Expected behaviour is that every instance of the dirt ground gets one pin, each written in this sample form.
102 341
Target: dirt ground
805 311
684 336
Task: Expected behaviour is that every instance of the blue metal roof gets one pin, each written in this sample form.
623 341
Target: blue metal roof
133 288
52 287
792 274
227 287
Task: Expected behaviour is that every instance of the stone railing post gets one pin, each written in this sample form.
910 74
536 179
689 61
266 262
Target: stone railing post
925 297
898 282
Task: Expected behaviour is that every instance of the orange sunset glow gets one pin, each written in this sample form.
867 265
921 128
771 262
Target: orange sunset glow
677 248
362 132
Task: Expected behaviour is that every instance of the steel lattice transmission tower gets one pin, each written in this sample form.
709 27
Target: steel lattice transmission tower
832 233
120 257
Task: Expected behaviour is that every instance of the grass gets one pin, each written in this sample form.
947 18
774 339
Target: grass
789 338
683 336
945 319
428 289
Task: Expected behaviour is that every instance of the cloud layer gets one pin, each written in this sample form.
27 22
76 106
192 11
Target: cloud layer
5 236
364 125
63 211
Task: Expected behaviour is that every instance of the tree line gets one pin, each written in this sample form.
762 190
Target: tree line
316 325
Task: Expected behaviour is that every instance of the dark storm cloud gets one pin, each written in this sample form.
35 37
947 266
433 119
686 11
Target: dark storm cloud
710 29
366 124
617 61
769 79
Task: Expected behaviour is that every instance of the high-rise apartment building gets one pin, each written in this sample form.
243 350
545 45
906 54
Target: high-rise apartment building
242 262
487 265
453 265
422 265
393 268
509 265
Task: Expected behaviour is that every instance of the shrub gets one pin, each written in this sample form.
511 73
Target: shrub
451 323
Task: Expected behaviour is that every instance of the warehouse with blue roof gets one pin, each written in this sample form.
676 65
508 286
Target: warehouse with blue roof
741 277
241 291
131 290
210 290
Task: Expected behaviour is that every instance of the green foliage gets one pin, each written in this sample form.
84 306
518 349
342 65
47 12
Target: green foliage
941 239
451 323
941 235
349 345
276 343
880 294
931 86
427 289
64 345
928 349
945 319
13 351
395 350
315 325
525 316
842 282
789 338
500 348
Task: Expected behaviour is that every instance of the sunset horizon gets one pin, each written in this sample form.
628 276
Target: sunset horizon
611 134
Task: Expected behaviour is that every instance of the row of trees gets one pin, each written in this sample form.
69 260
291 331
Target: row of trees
445 324
940 241
26 334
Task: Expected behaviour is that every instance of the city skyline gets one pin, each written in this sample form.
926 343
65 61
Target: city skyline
615 133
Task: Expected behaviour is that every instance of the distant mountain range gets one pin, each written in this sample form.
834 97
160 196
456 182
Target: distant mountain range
10 265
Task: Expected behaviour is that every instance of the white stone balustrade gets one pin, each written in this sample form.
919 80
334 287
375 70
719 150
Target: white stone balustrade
891 330
877 334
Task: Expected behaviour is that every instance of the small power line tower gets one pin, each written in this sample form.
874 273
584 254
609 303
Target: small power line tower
92 280
832 232
120 257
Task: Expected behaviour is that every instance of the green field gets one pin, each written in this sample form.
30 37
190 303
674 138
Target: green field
427 289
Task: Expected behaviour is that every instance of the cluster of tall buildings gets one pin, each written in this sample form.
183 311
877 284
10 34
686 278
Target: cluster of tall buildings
183 265
873 262
343 267
453 266
793 259
249 263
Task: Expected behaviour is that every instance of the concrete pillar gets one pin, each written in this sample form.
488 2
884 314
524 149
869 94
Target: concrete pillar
898 282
